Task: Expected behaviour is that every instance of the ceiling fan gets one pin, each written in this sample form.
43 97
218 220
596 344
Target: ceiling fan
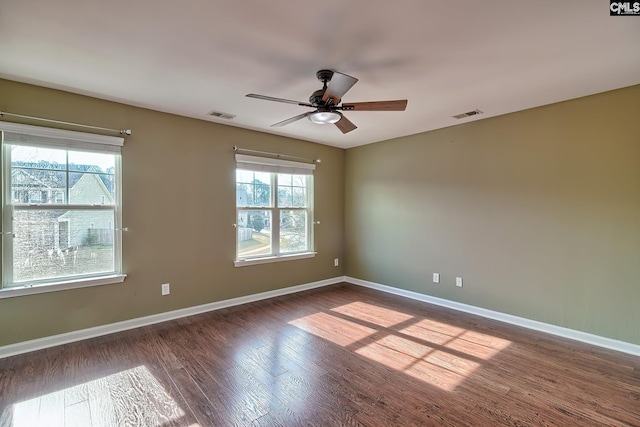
326 102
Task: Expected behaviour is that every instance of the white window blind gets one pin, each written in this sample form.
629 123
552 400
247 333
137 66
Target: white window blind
265 164
36 136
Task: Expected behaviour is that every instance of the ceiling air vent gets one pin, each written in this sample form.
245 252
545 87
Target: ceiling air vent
220 115
467 114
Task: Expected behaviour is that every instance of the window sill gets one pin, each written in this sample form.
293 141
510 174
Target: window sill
17 291
270 259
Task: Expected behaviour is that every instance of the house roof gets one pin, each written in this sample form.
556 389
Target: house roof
45 179
446 58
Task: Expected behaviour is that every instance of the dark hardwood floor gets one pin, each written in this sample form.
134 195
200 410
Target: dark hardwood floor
336 356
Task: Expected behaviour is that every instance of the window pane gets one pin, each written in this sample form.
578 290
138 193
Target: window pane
39 176
91 189
284 179
37 185
292 191
262 195
243 194
254 233
91 162
36 157
50 244
299 197
293 231
244 176
284 197
253 188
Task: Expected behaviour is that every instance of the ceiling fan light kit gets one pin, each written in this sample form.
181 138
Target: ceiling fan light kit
327 101
325 117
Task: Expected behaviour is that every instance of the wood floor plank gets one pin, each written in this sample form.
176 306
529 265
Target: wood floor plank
78 414
335 356
101 405
76 364
159 360
24 408
229 404
198 402
51 378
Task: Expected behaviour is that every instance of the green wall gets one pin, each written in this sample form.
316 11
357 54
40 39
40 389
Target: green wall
179 205
538 211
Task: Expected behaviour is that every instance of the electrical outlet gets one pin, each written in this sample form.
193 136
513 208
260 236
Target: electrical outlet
166 289
459 282
436 277
336 262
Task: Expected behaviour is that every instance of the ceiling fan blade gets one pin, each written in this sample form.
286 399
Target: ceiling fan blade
398 105
291 120
345 125
271 98
337 87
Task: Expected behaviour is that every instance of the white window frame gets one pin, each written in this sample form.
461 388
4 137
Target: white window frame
274 167
66 140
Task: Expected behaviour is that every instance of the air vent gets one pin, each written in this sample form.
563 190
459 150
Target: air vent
467 114
220 115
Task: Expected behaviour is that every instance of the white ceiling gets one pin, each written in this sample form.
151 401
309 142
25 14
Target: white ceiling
190 57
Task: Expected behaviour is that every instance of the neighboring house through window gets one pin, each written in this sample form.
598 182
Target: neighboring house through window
274 210
61 200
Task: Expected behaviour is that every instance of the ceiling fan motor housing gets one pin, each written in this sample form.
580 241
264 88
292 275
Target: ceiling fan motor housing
316 98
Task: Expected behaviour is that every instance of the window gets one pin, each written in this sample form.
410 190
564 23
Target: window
274 210
61 200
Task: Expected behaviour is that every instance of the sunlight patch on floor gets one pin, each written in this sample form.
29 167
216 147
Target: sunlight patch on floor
439 327
451 362
409 347
387 356
478 345
435 375
372 313
436 367
131 396
434 352
427 335
338 331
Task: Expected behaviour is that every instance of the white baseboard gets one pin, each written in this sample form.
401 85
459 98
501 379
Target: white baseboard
584 337
54 340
